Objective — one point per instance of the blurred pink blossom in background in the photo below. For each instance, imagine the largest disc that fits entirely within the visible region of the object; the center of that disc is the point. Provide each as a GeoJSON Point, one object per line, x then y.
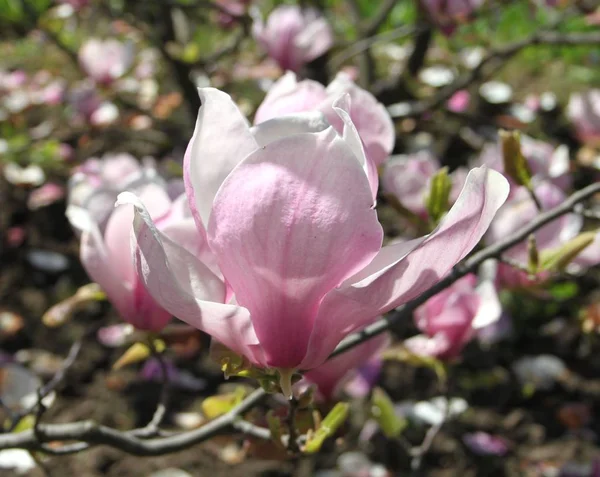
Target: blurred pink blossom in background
{"type": "Point", "coordinates": [105, 60]}
{"type": "Point", "coordinates": [105, 248]}
{"type": "Point", "coordinates": [450, 319]}
{"type": "Point", "coordinates": [584, 111]}
{"type": "Point", "coordinates": [293, 36]}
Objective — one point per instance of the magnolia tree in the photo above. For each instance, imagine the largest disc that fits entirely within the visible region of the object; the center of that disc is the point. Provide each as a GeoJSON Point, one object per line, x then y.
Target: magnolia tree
{"type": "Point", "coordinates": [215, 169]}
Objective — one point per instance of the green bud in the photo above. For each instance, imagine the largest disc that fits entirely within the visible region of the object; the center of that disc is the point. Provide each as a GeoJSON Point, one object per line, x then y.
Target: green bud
{"type": "Point", "coordinates": [533, 256]}
{"type": "Point", "coordinates": [557, 259]}
{"type": "Point", "coordinates": [329, 426]}
{"type": "Point", "coordinates": [515, 164]}
{"type": "Point", "coordinates": [382, 410]}
{"type": "Point", "coordinates": [437, 202]}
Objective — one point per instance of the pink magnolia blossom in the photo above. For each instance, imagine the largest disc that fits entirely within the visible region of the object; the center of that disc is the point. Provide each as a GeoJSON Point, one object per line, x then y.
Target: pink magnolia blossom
{"type": "Point", "coordinates": [105, 233]}
{"type": "Point", "coordinates": [408, 177]}
{"type": "Point", "coordinates": [584, 111]}
{"type": "Point", "coordinates": [450, 319]}
{"type": "Point", "coordinates": [355, 370]}
{"type": "Point", "coordinates": [293, 36]}
{"type": "Point", "coordinates": [374, 125]}
{"type": "Point", "coordinates": [105, 60]}
{"type": "Point", "coordinates": [447, 14]}
{"type": "Point", "coordinates": [287, 208]}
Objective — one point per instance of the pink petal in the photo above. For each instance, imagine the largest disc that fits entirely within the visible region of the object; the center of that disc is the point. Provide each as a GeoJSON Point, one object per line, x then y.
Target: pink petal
{"type": "Point", "coordinates": [369, 116]}
{"type": "Point", "coordinates": [186, 287]}
{"type": "Point", "coordinates": [342, 108]}
{"type": "Point", "coordinates": [289, 96]}
{"type": "Point", "coordinates": [221, 140]}
{"type": "Point", "coordinates": [286, 231]}
{"type": "Point", "coordinates": [278, 128]}
{"type": "Point", "coordinates": [95, 258]}
{"type": "Point", "coordinates": [402, 271]}
{"type": "Point", "coordinates": [314, 40]}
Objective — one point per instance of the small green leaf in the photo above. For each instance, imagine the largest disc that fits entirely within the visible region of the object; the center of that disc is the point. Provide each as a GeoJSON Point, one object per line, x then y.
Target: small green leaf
{"type": "Point", "coordinates": [62, 312]}
{"type": "Point", "coordinates": [437, 202]}
{"type": "Point", "coordinates": [24, 424]}
{"type": "Point", "coordinates": [332, 422]}
{"type": "Point", "coordinates": [533, 255]}
{"type": "Point", "coordinates": [138, 352]}
{"type": "Point", "coordinates": [556, 259]}
{"type": "Point", "coordinates": [382, 410]}
{"type": "Point", "coordinates": [215, 406]}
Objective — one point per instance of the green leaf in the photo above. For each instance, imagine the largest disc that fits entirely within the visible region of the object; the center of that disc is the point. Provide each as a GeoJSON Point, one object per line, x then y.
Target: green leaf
{"type": "Point", "coordinates": [62, 312]}
{"type": "Point", "coordinates": [382, 410]}
{"type": "Point", "coordinates": [437, 202]}
{"type": "Point", "coordinates": [215, 406]}
{"type": "Point", "coordinates": [332, 422]}
{"type": "Point", "coordinates": [138, 352]}
{"type": "Point", "coordinates": [557, 259]}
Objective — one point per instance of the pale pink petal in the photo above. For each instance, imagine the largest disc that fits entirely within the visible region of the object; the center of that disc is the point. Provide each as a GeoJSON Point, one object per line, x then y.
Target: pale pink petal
{"type": "Point", "coordinates": [186, 287]}
{"type": "Point", "coordinates": [221, 140]}
{"type": "Point", "coordinates": [95, 258]}
{"type": "Point", "coordinates": [118, 230]}
{"type": "Point", "coordinates": [314, 40]}
{"type": "Point", "coordinates": [369, 116]}
{"type": "Point", "coordinates": [289, 96]}
{"type": "Point", "coordinates": [394, 280]}
{"type": "Point", "coordinates": [462, 228]}
{"type": "Point", "coordinates": [278, 128]}
{"type": "Point", "coordinates": [286, 231]}
{"type": "Point", "coordinates": [342, 108]}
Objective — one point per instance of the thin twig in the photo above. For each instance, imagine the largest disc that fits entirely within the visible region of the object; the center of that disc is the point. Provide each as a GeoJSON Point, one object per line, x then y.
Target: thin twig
{"type": "Point", "coordinates": [499, 56]}
{"type": "Point", "coordinates": [49, 387]}
{"type": "Point", "coordinates": [291, 423]}
{"type": "Point", "coordinates": [152, 428]}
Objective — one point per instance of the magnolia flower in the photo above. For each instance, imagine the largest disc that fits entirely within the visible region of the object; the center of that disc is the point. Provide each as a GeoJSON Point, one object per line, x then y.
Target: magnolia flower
{"type": "Point", "coordinates": [446, 14]}
{"type": "Point", "coordinates": [356, 370]}
{"type": "Point", "coordinates": [450, 319]}
{"type": "Point", "coordinates": [105, 232]}
{"type": "Point", "coordinates": [105, 61]}
{"type": "Point", "coordinates": [584, 111]}
{"type": "Point", "coordinates": [293, 36]}
{"type": "Point", "coordinates": [287, 208]}
{"type": "Point", "coordinates": [372, 121]}
{"type": "Point", "coordinates": [408, 178]}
